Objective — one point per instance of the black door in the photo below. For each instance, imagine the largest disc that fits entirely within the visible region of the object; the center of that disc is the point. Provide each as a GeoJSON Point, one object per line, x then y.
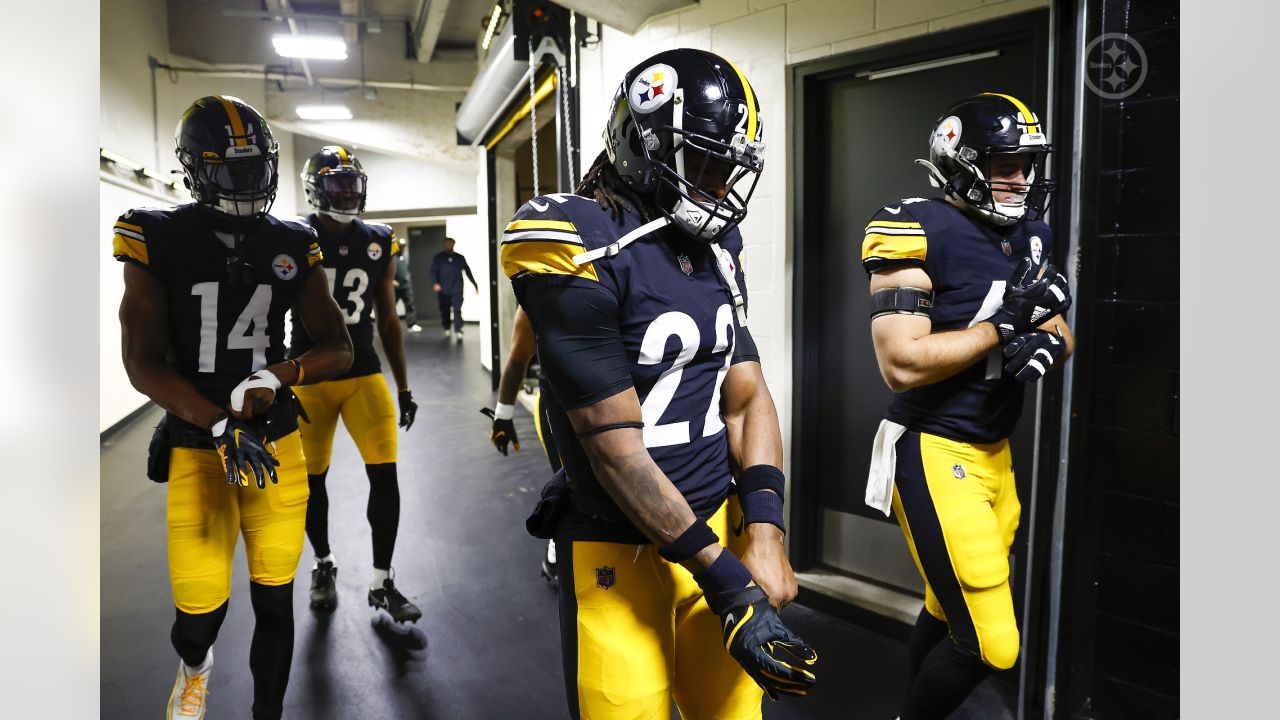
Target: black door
{"type": "Point", "coordinates": [424, 242]}
{"type": "Point", "coordinates": [864, 124]}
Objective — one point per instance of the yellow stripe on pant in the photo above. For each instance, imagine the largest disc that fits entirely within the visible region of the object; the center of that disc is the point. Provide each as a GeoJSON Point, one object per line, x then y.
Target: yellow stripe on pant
{"type": "Point", "coordinates": [205, 515]}
{"type": "Point", "coordinates": [366, 408]}
{"type": "Point", "coordinates": [637, 634]}
{"type": "Point", "coordinates": [958, 507]}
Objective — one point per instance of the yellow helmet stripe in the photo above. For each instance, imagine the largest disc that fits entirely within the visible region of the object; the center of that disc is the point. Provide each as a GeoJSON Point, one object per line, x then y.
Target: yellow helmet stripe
{"type": "Point", "coordinates": [342, 155]}
{"type": "Point", "coordinates": [751, 101]}
{"type": "Point", "coordinates": [237, 125]}
{"type": "Point", "coordinates": [1030, 117]}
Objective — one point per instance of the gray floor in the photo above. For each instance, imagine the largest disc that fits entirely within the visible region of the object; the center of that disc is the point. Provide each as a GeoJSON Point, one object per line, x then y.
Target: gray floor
{"type": "Point", "coordinates": [488, 644]}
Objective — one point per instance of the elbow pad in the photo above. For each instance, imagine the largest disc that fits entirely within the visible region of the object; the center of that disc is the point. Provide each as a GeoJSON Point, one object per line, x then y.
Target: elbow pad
{"type": "Point", "coordinates": [901, 300]}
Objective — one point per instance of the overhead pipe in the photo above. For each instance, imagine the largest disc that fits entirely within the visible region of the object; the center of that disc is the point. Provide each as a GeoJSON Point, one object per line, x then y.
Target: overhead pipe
{"type": "Point", "coordinates": [291, 77]}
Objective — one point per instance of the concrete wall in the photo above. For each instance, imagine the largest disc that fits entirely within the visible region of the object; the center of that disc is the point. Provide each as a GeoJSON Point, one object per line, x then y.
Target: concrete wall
{"type": "Point", "coordinates": [764, 38]}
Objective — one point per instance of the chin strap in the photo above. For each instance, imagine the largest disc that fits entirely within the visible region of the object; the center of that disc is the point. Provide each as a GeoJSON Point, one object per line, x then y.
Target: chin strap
{"type": "Point", "coordinates": [617, 245]}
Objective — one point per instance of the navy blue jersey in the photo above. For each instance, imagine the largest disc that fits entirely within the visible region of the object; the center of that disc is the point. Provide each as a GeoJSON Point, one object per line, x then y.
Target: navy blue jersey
{"type": "Point", "coordinates": [220, 331]}
{"type": "Point", "coordinates": [355, 262]}
{"type": "Point", "coordinates": [969, 263]}
{"type": "Point", "coordinates": [677, 330]}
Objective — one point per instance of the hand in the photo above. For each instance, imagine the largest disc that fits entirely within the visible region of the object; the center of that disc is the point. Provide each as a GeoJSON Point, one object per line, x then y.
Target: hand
{"type": "Point", "coordinates": [774, 656]}
{"type": "Point", "coordinates": [254, 395]}
{"type": "Point", "coordinates": [408, 409]}
{"type": "Point", "coordinates": [766, 558]}
{"type": "Point", "coordinates": [1032, 354]}
{"type": "Point", "coordinates": [1034, 294]}
{"type": "Point", "coordinates": [242, 452]}
{"type": "Point", "coordinates": [502, 433]}
{"type": "Point", "coordinates": [436, 287]}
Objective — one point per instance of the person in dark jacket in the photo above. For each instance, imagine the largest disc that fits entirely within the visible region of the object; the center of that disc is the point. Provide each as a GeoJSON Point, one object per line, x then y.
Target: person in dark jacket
{"type": "Point", "coordinates": [404, 293]}
{"type": "Point", "coordinates": [447, 268]}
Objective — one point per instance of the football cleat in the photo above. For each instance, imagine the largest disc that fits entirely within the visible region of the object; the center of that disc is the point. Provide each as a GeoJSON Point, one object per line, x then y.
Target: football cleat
{"type": "Point", "coordinates": [324, 586]}
{"type": "Point", "coordinates": [190, 694]}
{"type": "Point", "coordinates": [415, 328]}
{"type": "Point", "coordinates": [394, 602]}
{"type": "Point", "coordinates": [549, 569]}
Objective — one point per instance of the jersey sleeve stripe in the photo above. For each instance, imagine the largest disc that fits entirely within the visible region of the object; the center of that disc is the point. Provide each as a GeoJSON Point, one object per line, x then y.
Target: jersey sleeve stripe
{"type": "Point", "coordinates": [542, 236]}
{"type": "Point", "coordinates": [892, 224]}
{"type": "Point", "coordinates": [544, 257]}
{"type": "Point", "coordinates": [314, 254]}
{"type": "Point", "coordinates": [130, 233]}
{"type": "Point", "coordinates": [872, 230]}
{"type": "Point", "coordinates": [122, 225]}
{"type": "Point", "coordinates": [395, 246]}
{"type": "Point", "coordinates": [123, 246]}
{"type": "Point", "coordinates": [541, 225]}
{"type": "Point", "coordinates": [894, 247]}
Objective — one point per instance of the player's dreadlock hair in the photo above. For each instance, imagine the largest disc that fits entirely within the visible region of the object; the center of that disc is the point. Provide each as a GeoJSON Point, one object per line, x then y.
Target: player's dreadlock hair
{"type": "Point", "coordinates": [603, 183]}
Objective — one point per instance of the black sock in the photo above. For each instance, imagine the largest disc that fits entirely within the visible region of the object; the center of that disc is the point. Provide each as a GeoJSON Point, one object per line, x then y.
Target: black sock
{"type": "Point", "coordinates": [193, 635]}
{"type": "Point", "coordinates": [928, 632]}
{"type": "Point", "coordinates": [318, 514]}
{"type": "Point", "coordinates": [383, 512]}
{"type": "Point", "coordinates": [947, 676]}
{"type": "Point", "coordinates": [271, 653]}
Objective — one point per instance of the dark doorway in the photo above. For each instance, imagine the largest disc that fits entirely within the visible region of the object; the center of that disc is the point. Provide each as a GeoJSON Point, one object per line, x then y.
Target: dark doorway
{"type": "Point", "coordinates": [865, 118]}
{"type": "Point", "coordinates": [424, 242]}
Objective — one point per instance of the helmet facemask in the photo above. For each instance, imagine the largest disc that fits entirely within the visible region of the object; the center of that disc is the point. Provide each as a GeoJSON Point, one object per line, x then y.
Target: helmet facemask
{"type": "Point", "coordinates": [338, 193]}
{"type": "Point", "coordinates": [242, 188]}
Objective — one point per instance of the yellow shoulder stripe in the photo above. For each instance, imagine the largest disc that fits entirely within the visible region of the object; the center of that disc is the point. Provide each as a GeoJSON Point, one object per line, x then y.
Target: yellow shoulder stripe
{"type": "Point", "coordinates": [541, 225]}
{"type": "Point", "coordinates": [395, 246]}
{"type": "Point", "coordinates": [314, 255]}
{"type": "Point", "coordinates": [892, 224]}
{"type": "Point", "coordinates": [125, 246]}
{"type": "Point", "coordinates": [544, 258]}
{"type": "Point", "coordinates": [894, 247]}
{"type": "Point", "coordinates": [127, 226]}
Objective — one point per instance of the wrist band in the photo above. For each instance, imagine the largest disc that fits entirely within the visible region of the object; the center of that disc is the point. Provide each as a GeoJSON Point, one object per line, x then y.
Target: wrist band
{"type": "Point", "coordinates": [503, 411]}
{"type": "Point", "coordinates": [297, 366]}
{"type": "Point", "coordinates": [761, 477]}
{"type": "Point", "coordinates": [723, 580]}
{"type": "Point", "coordinates": [219, 425]}
{"type": "Point", "coordinates": [762, 506]}
{"type": "Point", "coordinates": [691, 542]}
{"type": "Point", "coordinates": [402, 390]}
{"type": "Point", "coordinates": [263, 378]}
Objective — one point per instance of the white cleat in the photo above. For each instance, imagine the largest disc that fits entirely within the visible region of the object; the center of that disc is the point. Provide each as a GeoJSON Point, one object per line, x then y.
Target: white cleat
{"type": "Point", "coordinates": [190, 695]}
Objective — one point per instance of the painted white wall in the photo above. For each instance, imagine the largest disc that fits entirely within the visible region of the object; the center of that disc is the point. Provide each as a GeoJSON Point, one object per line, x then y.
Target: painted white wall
{"type": "Point", "coordinates": [763, 38]}
{"type": "Point", "coordinates": [396, 182]}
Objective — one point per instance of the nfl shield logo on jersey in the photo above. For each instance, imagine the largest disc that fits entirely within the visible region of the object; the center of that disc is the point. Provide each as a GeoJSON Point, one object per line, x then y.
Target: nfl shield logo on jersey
{"type": "Point", "coordinates": [375, 251]}
{"type": "Point", "coordinates": [958, 471]}
{"type": "Point", "coordinates": [342, 250]}
{"type": "Point", "coordinates": [284, 267]}
{"type": "Point", "coordinates": [605, 577]}
{"type": "Point", "coordinates": [686, 265]}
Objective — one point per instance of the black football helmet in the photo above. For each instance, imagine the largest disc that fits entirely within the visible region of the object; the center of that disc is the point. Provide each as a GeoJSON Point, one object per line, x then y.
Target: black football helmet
{"type": "Point", "coordinates": [685, 130]}
{"type": "Point", "coordinates": [965, 138]}
{"type": "Point", "coordinates": [229, 158]}
{"type": "Point", "coordinates": [335, 183]}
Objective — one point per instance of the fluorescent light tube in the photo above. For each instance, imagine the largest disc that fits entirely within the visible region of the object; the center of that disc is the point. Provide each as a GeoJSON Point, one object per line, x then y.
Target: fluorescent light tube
{"type": "Point", "coordinates": [310, 47]}
{"type": "Point", "coordinates": [493, 24]}
{"type": "Point", "coordinates": [324, 112]}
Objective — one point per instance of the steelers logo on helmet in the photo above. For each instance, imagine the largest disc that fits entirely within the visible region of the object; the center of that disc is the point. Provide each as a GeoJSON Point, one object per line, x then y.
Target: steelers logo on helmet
{"type": "Point", "coordinates": [947, 135]}
{"type": "Point", "coordinates": [375, 251]}
{"type": "Point", "coordinates": [284, 267]}
{"type": "Point", "coordinates": [652, 88]}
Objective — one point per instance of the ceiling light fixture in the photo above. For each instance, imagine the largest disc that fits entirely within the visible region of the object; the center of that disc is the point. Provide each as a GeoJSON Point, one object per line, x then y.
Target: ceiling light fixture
{"type": "Point", "coordinates": [323, 112]}
{"type": "Point", "coordinates": [310, 47]}
{"type": "Point", "coordinates": [493, 25]}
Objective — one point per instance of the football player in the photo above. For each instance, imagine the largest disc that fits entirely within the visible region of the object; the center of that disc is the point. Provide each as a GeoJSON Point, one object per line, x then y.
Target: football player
{"type": "Point", "coordinates": [634, 289]}
{"type": "Point", "coordinates": [502, 433]}
{"type": "Point", "coordinates": [966, 306]}
{"type": "Point", "coordinates": [360, 263]}
{"type": "Point", "coordinates": [207, 286]}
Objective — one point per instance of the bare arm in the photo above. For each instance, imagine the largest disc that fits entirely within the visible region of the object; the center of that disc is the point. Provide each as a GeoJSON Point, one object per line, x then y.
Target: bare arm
{"type": "Point", "coordinates": [518, 359]}
{"type": "Point", "coordinates": [144, 339]}
{"type": "Point", "coordinates": [332, 354]}
{"type": "Point", "coordinates": [389, 330]}
{"type": "Point", "coordinates": [910, 354]}
{"type": "Point", "coordinates": [1059, 327]}
{"type": "Point", "coordinates": [626, 471]}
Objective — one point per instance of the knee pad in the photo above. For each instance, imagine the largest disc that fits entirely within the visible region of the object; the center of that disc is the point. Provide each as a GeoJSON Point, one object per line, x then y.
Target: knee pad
{"type": "Point", "coordinates": [978, 553]}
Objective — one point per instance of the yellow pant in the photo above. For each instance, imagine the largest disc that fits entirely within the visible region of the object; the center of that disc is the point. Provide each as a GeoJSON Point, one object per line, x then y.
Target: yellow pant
{"type": "Point", "coordinates": [636, 633]}
{"type": "Point", "coordinates": [367, 410]}
{"type": "Point", "coordinates": [958, 506]}
{"type": "Point", "coordinates": [206, 514]}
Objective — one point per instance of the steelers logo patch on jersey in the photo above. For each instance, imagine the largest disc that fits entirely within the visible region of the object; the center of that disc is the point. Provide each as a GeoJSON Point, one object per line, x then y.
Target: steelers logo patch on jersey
{"type": "Point", "coordinates": [375, 251]}
{"type": "Point", "coordinates": [284, 267]}
{"type": "Point", "coordinates": [947, 135]}
{"type": "Point", "coordinates": [652, 88]}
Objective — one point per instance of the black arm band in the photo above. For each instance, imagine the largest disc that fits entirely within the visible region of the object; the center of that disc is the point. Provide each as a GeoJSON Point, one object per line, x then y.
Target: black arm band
{"type": "Point", "coordinates": [690, 543]}
{"type": "Point", "coordinates": [912, 301]}
{"type": "Point", "coordinates": [760, 489]}
{"type": "Point", "coordinates": [761, 477]}
{"type": "Point", "coordinates": [611, 426]}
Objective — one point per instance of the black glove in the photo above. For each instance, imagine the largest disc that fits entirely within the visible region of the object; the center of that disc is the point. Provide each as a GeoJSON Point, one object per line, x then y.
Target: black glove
{"type": "Point", "coordinates": [241, 450]}
{"type": "Point", "coordinates": [502, 433]}
{"type": "Point", "coordinates": [776, 658]}
{"type": "Point", "coordinates": [1032, 354]}
{"type": "Point", "coordinates": [408, 409]}
{"type": "Point", "coordinates": [1034, 294]}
